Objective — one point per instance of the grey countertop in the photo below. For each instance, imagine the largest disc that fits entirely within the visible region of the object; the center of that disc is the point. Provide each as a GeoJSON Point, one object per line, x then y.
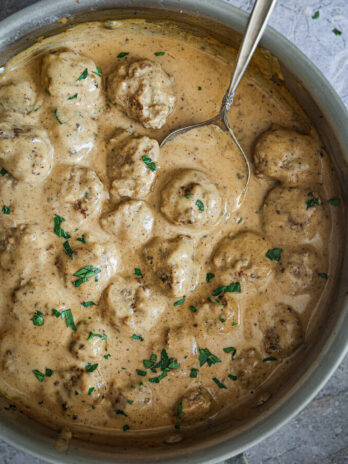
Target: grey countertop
{"type": "Point", "coordinates": [319, 434]}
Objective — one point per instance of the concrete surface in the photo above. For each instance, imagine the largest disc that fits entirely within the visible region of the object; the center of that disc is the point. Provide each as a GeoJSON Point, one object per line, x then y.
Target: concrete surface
{"type": "Point", "coordinates": [318, 435]}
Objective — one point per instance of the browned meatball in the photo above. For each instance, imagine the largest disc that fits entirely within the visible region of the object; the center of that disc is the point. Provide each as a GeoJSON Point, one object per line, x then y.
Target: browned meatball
{"type": "Point", "coordinates": [288, 156]}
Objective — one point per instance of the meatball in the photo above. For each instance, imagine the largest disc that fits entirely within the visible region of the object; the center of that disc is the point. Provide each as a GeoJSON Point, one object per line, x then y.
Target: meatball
{"type": "Point", "coordinates": [17, 97]}
{"type": "Point", "coordinates": [172, 262]}
{"type": "Point", "coordinates": [132, 165]}
{"type": "Point", "coordinates": [130, 304]}
{"type": "Point", "coordinates": [72, 80]}
{"type": "Point", "coordinates": [190, 198]}
{"type": "Point", "coordinates": [88, 342]}
{"type": "Point", "coordinates": [293, 215]}
{"type": "Point", "coordinates": [76, 138]}
{"type": "Point", "coordinates": [242, 258]}
{"type": "Point", "coordinates": [25, 152]}
{"type": "Point", "coordinates": [298, 272]}
{"type": "Point", "coordinates": [144, 91]}
{"type": "Point", "coordinates": [75, 193]}
{"type": "Point", "coordinates": [195, 405]}
{"type": "Point", "coordinates": [282, 330]}
{"type": "Point", "coordinates": [131, 221]}
{"type": "Point", "coordinates": [90, 269]}
{"type": "Point", "coordinates": [288, 156]}
{"type": "Point", "coordinates": [218, 315]}
{"type": "Point", "coordinates": [249, 368]}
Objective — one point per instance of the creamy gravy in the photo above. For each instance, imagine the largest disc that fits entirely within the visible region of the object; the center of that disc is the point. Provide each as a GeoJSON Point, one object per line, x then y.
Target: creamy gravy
{"type": "Point", "coordinates": [163, 296]}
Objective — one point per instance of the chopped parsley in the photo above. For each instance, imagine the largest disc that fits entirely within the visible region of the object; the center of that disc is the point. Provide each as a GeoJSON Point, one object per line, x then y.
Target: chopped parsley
{"type": "Point", "coordinates": [138, 272]}
{"type": "Point", "coordinates": [336, 31]}
{"type": "Point", "coordinates": [98, 71]}
{"type": "Point", "coordinates": [209, 277]}
{"type": "Point", "coordinates": [316, 15]}
{"type": "Point", "coordinates": [73, 97]}
{"type": "Point", "coordinates": [125, 428]}
{"type": "Point", "coordinates": [68, 249]}
{"type": "Point", "coordinates": [194, 373]}
{"type": "Point", "coordinates": [3, 172]}
{"type": "Point", "coordinates": [149, 163]}
{"type": "Point", "coordinates": [234, 287]}
{"type": "Point", "coordinates": [180, 302]}
{"type": "Point", "coordinates": [84, 274]}
{"type": "Point", "coordinates": [334, 201]}
{"type": "Point", "coordinates": [107, 356]}
{"type": "Point", "coordinates": [122, 54]}
{"type": "Point", "coordinates": [90, 390]}
{"type": "Point", "coordinates": [39, 375]}
{"type": "Point", "coordinates": [83, 75]}
{"type": "Point", "coordinates": [177, 426]}
{"type": "Point", "coordinates": [81, 239]}
{"type": "Point", "coordinates": [57, 221]}
{"type": "Point", "coordinates": [323, 275]}
{"type": "Point", "coordinates": [130, 401]}
{"type": "Point", "coordinates": [200, 205]}
{"type": "Point", "coordinates": [274, 254]}
{"type": "Point", "coordinates": [137, 337]}
{"type": "Point", "coordinates": [231, 349]}
{"type": "Point", "coordinates": [165, 365]}
{"type": "Point", "coordinates": [121, 412]}
{"type": "Point", "coordinates": [92, 335]}
{"type": "Point", "coordinates": [205, 356]}
{"type": "Point", "coordinates": [56, 312]}
{"type": "Point", "coordinates": [232, 377]}
{"type": "Point", "coordinates": [187, 195]}
{"type": "Point", "coordinates": [91, 367]}
{"type": "Point", "coordinates": [193, 309]}
{"type": "Point", "coordinates": [239, 220]}
{"type": "Point", "coordinates": [48, 372]}
{"type": "Point", "coordinates": [234, 323]}
{"type": "Point", "coordinates": [218, 383]}
{"type": "Point", "coordinates": [6, 209]}
{"type": "Point", "coordinates": [179, 411]}
{"type": "Point", "coordinates": [221, 319]}
{"type": "Point", "coordinates": [159, 53]}
{"type": "Point", "coordinates": [215, 301]}
{"type": "Point", "coordinates": [140, 372]}
{"type": "Point", "coordinates": [199, 87]}
{"type": "Point", "coordinates": [69, 319]}
{"type": "Point", "coordinates": [38, 319]}
{"type": "Point", "coordinates": [312, 201]}
{"type": "Point", "coordinates": [88, 303]}
{"type": "Point", "coordinates": [36, 109]}
{"type": "Point", "coordinates": [57, 117]}
{"type": "Point", "coordinates": [271, 358]}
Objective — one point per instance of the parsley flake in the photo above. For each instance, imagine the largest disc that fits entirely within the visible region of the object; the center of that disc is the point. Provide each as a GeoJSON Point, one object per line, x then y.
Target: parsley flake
{"type": "Point", "coordinates": [121, 412]}
{"type": "Point", "coordinates": [205, 356]}
{"type": "Point", "coordinates": [271, 358]}
{"type": "Point", "coordinates": [336, 31]}
{"type": "Point", "coordinates": [194, 373]}
{"type": "Point", "coordinates": [83, 75]}
{"type": "Point", "coordinates": [180, 302]}
{"type": "Point", "coordinates": [125, 428]}
{"type": "Point", "coordinates": [334, 201]}
{"type": "Point", "coordinates": [140, 372]}
{"type": "Point", "coordinates": [6, 209]}
{"type": "Point", "coordinates": [215, 301]}
{"type": "Point", "coordinates": [312, 201]}
{"type": "Point", "coordinates": [130, 401]}
{"type": "Point", "coordinates": [231, 349]}
{"type": "Point", "coordinates": [91, 367]}
{"type": "Point", "coordinates": [179, 411]}
{"type": "Point", "coordinates": [39, 375]}
{"type": "Point", "coordinates": [232, 377]}
{"type": "Point", "coordinates": [122, 54]}
{"type": "Point", "coordinates": [92, 335]}
{"type": "Point", "coordinates": [316, 15]}
{"type": "Point", "coordinates": [55, 312]}
{"type": "Point", "coordinates": [73, 97]}
{"type": "Point", "coordinates": [57, 220]}
{"type": "Point", "coordinates": [68, 249]}
{"type": "Point", "coordinates": [57, 117]}
{"type": "Point", "coordinates": [88, 303]}
{"type": "Point", "coordinates": [193, 309]}
{"type": "Point", "coordinates": [137, 337]}
{"type": "Point", "coordinates": [199, 87]}
{"type": "Point", "coordinates": [274, 254]}
{"type": "Point", "coordinates": [3, 172]}
{"type": "Point", "coordinates": [200, 205]}
{"type": "Point", "coordinates": [138, 272]}
{"type": "Point", "coordinates": [209, 277]}
{"type": "Point", "coordinates": [69, 319]}
{"type": "Point", "coordinates": [323, 275]}
{"type": "Point", "coordinates": [234, 287]}
{"type": "Point", "coordinates": [48, 372]}
{"type": "Point", "coordinates": [90, 390]}
{"type": "Point", "coordinates": [98, 71]}
{"type": "Point", "coordinates": [149, 163]}
{"type": "Point", "coordinates": [81, 239]}
{"type": "Point", "coordinates": [159, 53]}
{"type": "Point", "coordinates": [38, 319]}
{"type": "Point", "coordinates": [84, 274]}
{"type": "Point", "coordinates": [218, 383]}
{"type": "Point", "coordinates": [107, 356]}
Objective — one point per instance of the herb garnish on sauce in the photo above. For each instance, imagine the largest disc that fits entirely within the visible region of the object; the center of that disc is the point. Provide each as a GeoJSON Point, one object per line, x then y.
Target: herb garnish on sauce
{"type": "Point", "coordinates": [209, 277]}
{"type": "Point", "coordinates": [159, 53]}
{"type": "Point", "coordinates": [84, 274]}
{"type": "Point", "coordinates": [57, 117]}
{"type": "Point", "coordinates": [312, 201]}
{"type": "Point", "coordinates": [218, 383]}
{"type": "Point", "coordinates": [137, 337]}
{"type": "Point", "coordinates": [205, 356]}
{"type": "Point", "coordinates": [88, 303]}
{"type": "Point", "coordinates": [91, 367]}
{"type": "Point", "coordinates": [234, 287]}
{"type": "Point", "coordinates": [274, 254]}
{"type": "Point", "coordinates": [6, 209]}
{"type": "Point", "coordinates": [200, 205]}
{"type": "Point", "coordinates": [38, 318]}
{"type": "Point", "coordinates": [149, 163]}
{"type": "Point", "coordinates": [57, 220]}
{"type": "Point", "coordinates": [68, 249]}
{"type": "Point", "coordinates": [69, 319]}
{"type": "Point", "coordinates": [181, 301]}
{"type": "Point", "coordinates": [122, 54]}
{"type": "Point", "coordinates": [138, 272]}
{"type": "Point", "coordinates": [83, 75]}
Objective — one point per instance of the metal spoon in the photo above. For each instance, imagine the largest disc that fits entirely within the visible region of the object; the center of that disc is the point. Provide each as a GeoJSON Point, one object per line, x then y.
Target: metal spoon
{"type": "Point", "coordinates": [256, 25]}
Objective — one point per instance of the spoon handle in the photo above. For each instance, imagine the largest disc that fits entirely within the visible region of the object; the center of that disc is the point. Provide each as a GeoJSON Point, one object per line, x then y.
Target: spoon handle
{"type": "Point", "coordinates": [257, 23]}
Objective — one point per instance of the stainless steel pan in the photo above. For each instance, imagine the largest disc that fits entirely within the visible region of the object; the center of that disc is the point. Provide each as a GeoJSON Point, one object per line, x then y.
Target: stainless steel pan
{"type": "Point", "coordinates": [327, 112]}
